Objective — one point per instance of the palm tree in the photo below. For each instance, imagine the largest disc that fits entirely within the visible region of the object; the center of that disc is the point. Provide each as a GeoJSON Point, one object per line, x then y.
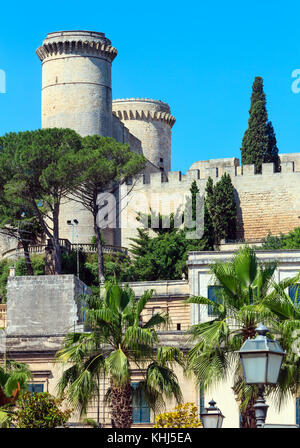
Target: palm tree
{"type": "Point", "coordinates": [13, 382]}
{"type": "Point", "coordinates": [117, 342]}
{"type": "Point", "coordinates": [244, 289]}
{"type": "Point", "coordinates": [286, 326]}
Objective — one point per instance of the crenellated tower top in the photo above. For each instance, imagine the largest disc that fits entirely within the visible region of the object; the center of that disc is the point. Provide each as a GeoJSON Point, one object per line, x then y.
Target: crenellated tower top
{"type": "Point", "coordinates": [143, 109]}
{"type": "Point", "coordinates": [89, 43]}
{"type": "Point", "coordinates": [151, 122]}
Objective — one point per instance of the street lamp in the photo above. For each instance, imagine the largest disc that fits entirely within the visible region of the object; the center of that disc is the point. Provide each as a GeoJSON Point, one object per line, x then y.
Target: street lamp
{"type": "Point", "coordinates": [212, 417]}
{"type": "Point", "coordinates": [73, 224]}
{"type": "Point", "coordinates": [261, 360]}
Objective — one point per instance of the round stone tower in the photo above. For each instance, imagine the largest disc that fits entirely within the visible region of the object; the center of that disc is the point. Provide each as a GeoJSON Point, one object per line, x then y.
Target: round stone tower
{"type": "Point", "coordinates": [76, 94]}
{"type": "Point", "coordinates": [76, 86]}
{"type": "Point", "coordinates": [151, 122]}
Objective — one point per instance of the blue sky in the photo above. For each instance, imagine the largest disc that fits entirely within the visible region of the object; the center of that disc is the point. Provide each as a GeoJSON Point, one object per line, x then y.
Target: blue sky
{"type": "Point", "coordinates": [200, 57]}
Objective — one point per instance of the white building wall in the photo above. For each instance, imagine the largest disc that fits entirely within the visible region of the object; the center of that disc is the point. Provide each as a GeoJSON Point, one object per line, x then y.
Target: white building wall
{"type": "Point", "coordinates": [200, 278]}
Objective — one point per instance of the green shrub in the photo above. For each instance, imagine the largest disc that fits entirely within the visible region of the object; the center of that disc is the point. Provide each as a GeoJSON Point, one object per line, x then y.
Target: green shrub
{"type": "Point", "coordinates": [38, 265]}
{"type": "Point", "coordinates": [40, 410]}
{"type": "Point", "coordinates": [288, 241]}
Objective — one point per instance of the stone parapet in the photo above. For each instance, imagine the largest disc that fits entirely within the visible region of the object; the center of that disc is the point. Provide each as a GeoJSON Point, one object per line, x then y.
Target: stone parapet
{"type": "Point", "coordinates": [143, 109]}
{"type": "Point", "coordinates": [150, 121]}
{"type": "Point", "coordinates": [83, 43]}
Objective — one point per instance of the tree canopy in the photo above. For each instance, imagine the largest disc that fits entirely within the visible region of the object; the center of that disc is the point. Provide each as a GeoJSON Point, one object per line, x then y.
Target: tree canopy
{"type": "Point", "coordinates": [259, 142]}
{"type": "Point", "coordinates": [42, 168]}
{"type": "Point", "coordinates": [105, 164]}
{"type": "Point", "coordinates": [220, 214]}
{"type": "Point", "coordinates": [119, 338]}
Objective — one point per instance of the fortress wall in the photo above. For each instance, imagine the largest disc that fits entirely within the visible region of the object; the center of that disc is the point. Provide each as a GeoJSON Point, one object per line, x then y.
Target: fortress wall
{"type": "Point", "coordinates": [266, 202]}
{"type": "Point", "coordinates": [6, 243]}
{"type": "Point", "coordinates": [122, 135]}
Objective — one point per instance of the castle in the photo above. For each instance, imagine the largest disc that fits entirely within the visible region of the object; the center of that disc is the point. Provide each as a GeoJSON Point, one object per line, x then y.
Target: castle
{"type": "Point", "coordinates": [77, 94]}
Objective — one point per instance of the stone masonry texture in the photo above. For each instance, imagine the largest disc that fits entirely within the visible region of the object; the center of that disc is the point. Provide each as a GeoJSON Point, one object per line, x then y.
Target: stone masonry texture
{"type": "Point", "coordinates": [44, 305]}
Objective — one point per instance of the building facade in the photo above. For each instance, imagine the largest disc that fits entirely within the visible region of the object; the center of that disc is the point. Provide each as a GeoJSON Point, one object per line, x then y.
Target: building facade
{"type": "Point", "coordinates": [41, 310]}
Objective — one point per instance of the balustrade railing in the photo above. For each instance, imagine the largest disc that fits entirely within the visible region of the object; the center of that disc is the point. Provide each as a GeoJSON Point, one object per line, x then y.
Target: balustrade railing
{"type": "Point", "coordinates": [65, 245]}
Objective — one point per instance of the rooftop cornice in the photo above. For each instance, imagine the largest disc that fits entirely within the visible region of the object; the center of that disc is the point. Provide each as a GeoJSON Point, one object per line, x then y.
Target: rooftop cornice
{"type": "Point", "coordinates": [141, 100]}
{"type": "Point", "coordinates": [84, 48]}
{"type": "Point", "coordinates": [146, 115]}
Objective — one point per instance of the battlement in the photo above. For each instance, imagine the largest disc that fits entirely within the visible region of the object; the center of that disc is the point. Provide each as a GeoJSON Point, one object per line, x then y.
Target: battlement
{"type": "Point", "coordinates": [160, 103]}
{"type": "Point", "coordinates": [142, 109]}
{"type": "Point", "coordinates": [83, 43]}
{"type": "Point", "coordinates": [236, 172]}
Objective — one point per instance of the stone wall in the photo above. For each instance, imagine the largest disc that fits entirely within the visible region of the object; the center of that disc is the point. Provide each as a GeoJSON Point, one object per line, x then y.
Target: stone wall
{"type": "Point", "coordinates": [266, 202]}
{"type": "Point", "coordinates": [169, 296]}
{"type": "Point", "coordinates": [44, 305]}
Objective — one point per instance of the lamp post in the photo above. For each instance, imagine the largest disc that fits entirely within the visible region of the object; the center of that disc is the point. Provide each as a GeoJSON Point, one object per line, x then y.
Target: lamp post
{"type": "Point", "coordinates": [73, 224]}
{"type": "Point", "coordinates": [212, 417]}
{"type": "Point", "coordinates": [261, 360]}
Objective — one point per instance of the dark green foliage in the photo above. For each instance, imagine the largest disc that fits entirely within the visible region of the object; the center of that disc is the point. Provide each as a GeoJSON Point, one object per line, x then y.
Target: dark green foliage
{"type": "Point", "coordinates": [289, 241]}
{"type": "Point", "coordinates": [40, 410]}
{"type": "Point", "coordinates": [115, 266]}
{"type": "Point", "coordinates": [209, 213]}
{"type": "Point", "coordinates": [162, 257]}
{"type": "Point", "coordinates": [120, 337]}
{"type": "Point", "coordinates": [38, 265]}
{"type": "Point", "coordinates": [259, 142]}
{"type": "Point", "coordinates": [220, 211]}
{"type": "Point", "coordinates": [194, 192]}
{"type": "Point", "coordinates": [4, 273]}
{"type": "Point", "coordinates": [42, 168]}
{"type": "Point", "coordinates": [105, 163]}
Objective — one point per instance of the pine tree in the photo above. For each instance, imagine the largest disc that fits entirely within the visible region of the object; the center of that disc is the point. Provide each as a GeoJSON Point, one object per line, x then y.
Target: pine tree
{"type": "Point", "coordinates": [259, 142]}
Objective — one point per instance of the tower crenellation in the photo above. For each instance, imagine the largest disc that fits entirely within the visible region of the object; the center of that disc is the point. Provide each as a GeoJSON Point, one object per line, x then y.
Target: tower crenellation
{"type": "Point", "coordinates": [151, 122]}
{"type": "Point", "coordinates": [76, 86]}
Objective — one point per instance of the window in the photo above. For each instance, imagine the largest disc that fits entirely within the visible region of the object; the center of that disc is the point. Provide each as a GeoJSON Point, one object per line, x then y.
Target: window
{"type": "Point", "coordinates": [298, 411]}
{"type": "Point", "coordinates": [201, 402]}
{"type": "Point", "coordinates": [35, 388]}
{"type": "Point", "coordinates": [141, 410]}
{"type": "Point", "coordinates": [215, 296]}
{"type": "Point", "coordinates": [294, 293]}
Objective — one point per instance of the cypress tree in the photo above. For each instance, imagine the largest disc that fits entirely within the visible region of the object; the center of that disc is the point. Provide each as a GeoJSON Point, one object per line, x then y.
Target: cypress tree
{"type": "Point", "coordinates": [220, 211]}
{"type": "Point", "coordinates": [225, 211]}
{"type": "Point", "coordinates": [209, 207]}
{"type": "Point", "coordinates": [259, 142]}
{"type": "Point", "coordinates": [194, 191]}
